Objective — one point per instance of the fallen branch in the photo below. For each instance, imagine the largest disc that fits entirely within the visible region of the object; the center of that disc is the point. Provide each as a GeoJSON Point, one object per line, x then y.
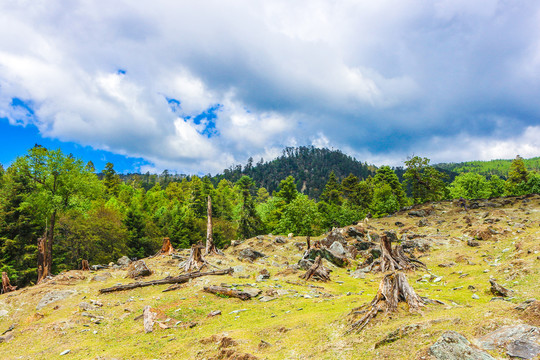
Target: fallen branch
{"type": "Point", "coordinates": [168, 280]}
{"type": "Point", "coordinates": [317, 271]}
{"type": "Point", "coordinates": [220, 290]}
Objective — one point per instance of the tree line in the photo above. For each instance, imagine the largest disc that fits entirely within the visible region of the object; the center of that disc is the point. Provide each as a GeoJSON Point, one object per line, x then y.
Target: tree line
{"type": "Point", "coordinates": [56, 211]}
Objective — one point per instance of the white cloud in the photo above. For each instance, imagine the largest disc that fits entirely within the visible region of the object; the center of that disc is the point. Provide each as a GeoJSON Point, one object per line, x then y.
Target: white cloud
{"type": "Point", "coordinates": [351, 74]}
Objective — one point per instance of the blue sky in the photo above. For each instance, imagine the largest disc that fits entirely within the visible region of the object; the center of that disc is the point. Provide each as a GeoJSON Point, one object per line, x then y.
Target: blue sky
{"type": "Point", "coordinates": [196, 87]}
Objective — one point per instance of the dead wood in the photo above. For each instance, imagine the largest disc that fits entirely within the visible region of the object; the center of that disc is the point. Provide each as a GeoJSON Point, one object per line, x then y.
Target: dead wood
{"type": "Point", "coordinates": [195, 261]}
{"type": "Point", "coordinates": [148, 318]}
{"type": "Point", "coordinates": [210, 244]}
{"type": "Point", "coordinates": [317, 271]}
{"type": "Point", "coordinates": [6, 285]}
{"type": "Point", "coordinates": [168, 280]}
{"type": "Point", "coordinates": [499, 290]}
{"type": "Point", "coordinates": [395, 259]}
{"type": "Point", "coordinates": [166, 248]}
{"type": "Point", "coordinates": [85, 266]}
{"type": "Point", "coordinates": [325, 253]}
{"type": "Point", "coordinates": [394, 288]}
{"type": "Point", "coordinates": [219, 290]}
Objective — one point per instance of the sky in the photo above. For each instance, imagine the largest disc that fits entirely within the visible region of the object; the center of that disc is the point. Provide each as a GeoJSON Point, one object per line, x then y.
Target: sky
{"type": "Point", "coordinates": [197, 86]}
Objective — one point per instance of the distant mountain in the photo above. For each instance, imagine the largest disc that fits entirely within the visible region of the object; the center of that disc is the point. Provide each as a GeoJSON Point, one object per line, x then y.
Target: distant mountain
{"type": "Point", "coordinates": [488, 168]}
{"type": "Point", "coordinates": [309, 166]}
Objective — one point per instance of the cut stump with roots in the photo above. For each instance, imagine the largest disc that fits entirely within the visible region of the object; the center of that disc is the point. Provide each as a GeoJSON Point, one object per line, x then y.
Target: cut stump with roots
{"type": "Point", "coordinates": [393, 289]}
{"type": "Point", "coordinates": [317, 271]}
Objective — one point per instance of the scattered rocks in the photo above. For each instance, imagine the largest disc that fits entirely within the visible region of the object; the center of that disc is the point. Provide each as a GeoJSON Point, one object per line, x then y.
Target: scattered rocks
{"type": "Point", "coordinates": [454, 346]}
{"type": "Point", "coordinates": [102, 277]}
{"type": "Point", "coordinates": [138, 269]}
{"type": "Point", "coordinates": [54, 296]}
{"type": "Point", "coordinates": [473, 243]}
{"type": "Point", "coordinates": [123, 261]}
{"type": "Point", "coordinates": [250, 255]}
{"type": "Point", "coordinates": [418, 213]}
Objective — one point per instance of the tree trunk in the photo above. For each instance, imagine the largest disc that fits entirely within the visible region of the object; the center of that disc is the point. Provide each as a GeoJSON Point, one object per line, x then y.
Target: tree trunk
{"type": "Point", "coordinates": [50, 240]}
{"type": "Point", "coordinates": [6, 285]}
{"type": "Point", "coordinates": [85, 265]}
{"type": "Point", "coordinates": [210, 245]}
{"type": "Point", "coordinates": [196, 261]}
{"type": "Point", "coordinates": [45, 249]}
{"type": "Point", "coordinates": [168, 280]}
{"type": "Point", "coordinates": [308, 242]}
{"type": "Point", "coordinates": [41, 257]}
{"type": "Point", "coordinates": [166, 248]}
{"type": "Point", "coordinates": [394, 288]}
{"type": "Point", "coordinates": [395, 259]}
{"type": "Point", "coordinates": [317, 271]}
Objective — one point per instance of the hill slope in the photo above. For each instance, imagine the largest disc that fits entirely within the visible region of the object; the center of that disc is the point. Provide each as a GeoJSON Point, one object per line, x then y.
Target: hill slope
{"type": "Point", "coordinates": [309, 166]}
{"type": "Point", "coordinates": [292, 318]}
{"type": "Point", "coordinates": [488, 168]}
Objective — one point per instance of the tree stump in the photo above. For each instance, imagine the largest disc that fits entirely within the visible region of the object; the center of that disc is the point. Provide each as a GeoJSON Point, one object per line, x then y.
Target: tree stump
{"type": "Point", "coordinates": [148, 317]}
{"type": "Point", "coordinates": [85, 266]}
{"type": "Point", "coordinates": [195, 261]}
{"type": "Point", "coordinates": [166, 248]}
{"type": "Point", "coordinates": [395, 259]}
{"type": "Point", "coordinates": [317, 271]}
{"type": "Point", "coordinates": [6, 285]}
{"type": "Point", "coordinates": [394, 288]}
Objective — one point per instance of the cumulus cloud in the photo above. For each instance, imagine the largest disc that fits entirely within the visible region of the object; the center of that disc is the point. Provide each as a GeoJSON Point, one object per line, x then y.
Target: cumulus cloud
{"type": "Point", "coordinates": [196, 87]}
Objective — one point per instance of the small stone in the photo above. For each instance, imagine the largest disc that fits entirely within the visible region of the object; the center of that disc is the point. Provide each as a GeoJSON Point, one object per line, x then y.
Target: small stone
{"type": "Point", "coordinates": [214, 313]}
{"type": "Point", "coordinates": [3, 313]}
{"type": "Point", "coordinates": [475, 296]}
{"type": "Point", "coordinates": [65, 352]}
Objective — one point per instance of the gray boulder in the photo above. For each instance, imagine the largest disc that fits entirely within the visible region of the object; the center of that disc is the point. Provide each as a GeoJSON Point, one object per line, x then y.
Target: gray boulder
{"type": "Point", "coordinates": [123, 261]}
{"type": "Point", "coordinates": [250, 254]}
{"type": "Point", "coordinates": [337, 249]}
{"type": "Point", "coordinates": [102, 277]}
{"type": "Point", "coordinates": [138, 269]}
{"type": "Point", "coordinates": [519, 340]}
{"type": "Point", "coordinates": [454, 346]}
{"type": "Point", "coordinates": [54, 296]}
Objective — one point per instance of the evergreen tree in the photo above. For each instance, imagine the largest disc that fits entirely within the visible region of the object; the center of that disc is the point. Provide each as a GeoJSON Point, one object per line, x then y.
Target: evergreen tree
{"type": "Point", "coordinates": [249, 221]}
{"type": "Point", "coordinates": [111, 180]}
{"type": "Point", "coordinates": [426, 183]}
{"type": "Point", "coordinates": [332, 191]}
{"type": "Point", "coordinates": [385, 175]}
{"type": "Point", "coordinates": [287, 190]}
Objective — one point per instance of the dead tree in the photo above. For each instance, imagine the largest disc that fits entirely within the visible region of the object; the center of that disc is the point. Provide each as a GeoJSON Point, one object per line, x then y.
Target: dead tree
{"type": "Point", "coordinates": [168, 280]}
{"type": "Point", "coordinates": [210, 244]}
{"type": "Point", "coordinates": [394, 288]}
{"type": "Point", "coordinates": [395, 259]}
{"type": "Point", "coordinates": [6, 285]}
{"type": "Point", "coordinates": [317, 271]}
{"type": "Point", "coordinates": [166, 248]}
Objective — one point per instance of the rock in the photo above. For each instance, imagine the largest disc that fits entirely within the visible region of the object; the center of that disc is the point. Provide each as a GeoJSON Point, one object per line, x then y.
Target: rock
{"type": "Point", "coordinates": [418, 213]}
{"type": "Point", "coordinates": [238, 269]}
{"type": "Point", "coordinates": [98, 267]}
{"type": "Point", "coordinates": [499, 290]}
{"type": "Point", "coordinates": [262, 278]}
{"type": "Point", "coordinates": [6, 338]}
{"type": "Point", "coordinates": [473, 243]}
{"type": "Point", "coordinates": [235, 243]}
{"type": "Point", "coordinates": [253, 292]}
{"type": "Point", "coordinates": [337, 249]}
{"type": "Point", "coordinates": [280, 240]}
{"type": "Point", "coordinates": [475, 297]}
{"type": "Point", "coordinates": [138, 269]}
{"type": "Point", "coordinates": [333, 236]}
{"type": "Point", "coordinates": [419, 244]}
{"type": "Point", "coordinates": [123, 261]}
{"type": "Point", "coordinates": [102, 277]}
{"type": "Point", "coordinates": [359, 274]}
{"type": "Point", "coordinates": [391, 235]}
{"type": "Point", "coordinates": [449, 264]}
{"type": "Point", "coordinates": [267, 298]}
{"type": "Point", "coordinates": [148, 319]}
{"type": "Point", "coordinates": [84, 306]}
{"type": "Point", "coordinates": [522, 349]}
{"type": "Point", "coordinates": [65, 352]}
{"type": "Point", "coordinates": [454, 346]}
{"type": "Point", "coordinates": [422, 223]}
{"type": "Point", "coordinates": [354, 232]}
{"type": "Point", "coordinates": [54, 296]}
{"type": "Point", "coordinates": [399, 333]}
{"type": "Point", "coordinates": [290, 236]}
{"type": "Point", "coordinates": [214, 313]}
{"type": "Point", "coordinates": [363, 245]}
{"type": "Point", "coordinates": [250, 254]}
{"type": "Point", "coordinates": [3, 313]}
{"type": "Point", "coordinates": [507, 335]}
{"type": "Point", "coordinates": [399, 224]}
{"type": "Point", "coordinates": [263, 345]}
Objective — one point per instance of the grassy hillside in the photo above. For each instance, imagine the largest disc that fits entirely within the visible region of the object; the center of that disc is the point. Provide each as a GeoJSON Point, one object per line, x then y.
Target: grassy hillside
{"type": "Point", "coordinates": [305, 320]}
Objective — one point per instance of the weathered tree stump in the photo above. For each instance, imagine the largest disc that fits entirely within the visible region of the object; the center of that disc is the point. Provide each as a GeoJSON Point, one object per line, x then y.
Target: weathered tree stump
{"type": "Point", "coordinates": [394, 288]}
{"type": "Point", "coordinates": [148, 318]}
{"type": "Point", "coordinates": [395, 259]}
{"type": "Point", "coordinates": [166, 248]}
{"type": "Point", "coordinates": [6, 285]}
{"type": "Point", "coordinates": [85, 266]}
{"type": "Point", "coordinates": [317, 271]}
{"type": "Point", "coordinates": [195, 261]}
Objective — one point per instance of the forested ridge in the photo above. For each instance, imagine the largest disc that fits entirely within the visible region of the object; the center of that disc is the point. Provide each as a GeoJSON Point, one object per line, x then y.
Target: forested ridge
{"type": "Point", "coordinates": [56, 211]}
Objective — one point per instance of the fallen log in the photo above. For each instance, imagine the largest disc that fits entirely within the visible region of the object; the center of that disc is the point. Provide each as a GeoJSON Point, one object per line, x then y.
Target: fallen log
{"type": "Point", "coordinates": [220, 290]}
{"type": "Point", "coordinates": [168, 280]}
{"type": "Point", "coordinates": [317, 271]}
